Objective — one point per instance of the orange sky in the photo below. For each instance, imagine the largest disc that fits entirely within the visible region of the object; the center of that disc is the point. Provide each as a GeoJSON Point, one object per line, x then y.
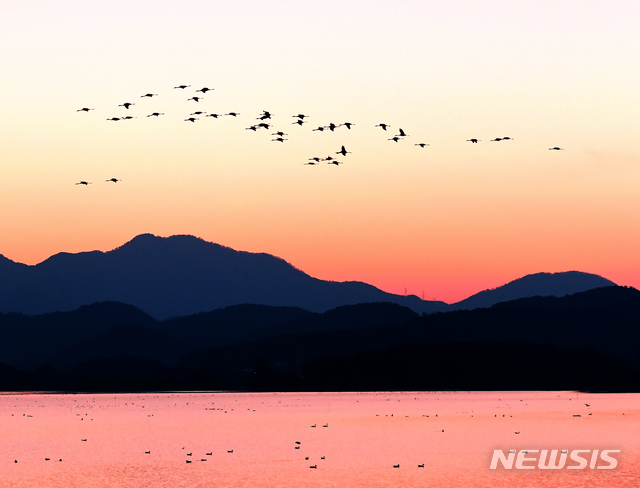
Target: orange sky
{"type": "Point", "coordinates": [447, 220]}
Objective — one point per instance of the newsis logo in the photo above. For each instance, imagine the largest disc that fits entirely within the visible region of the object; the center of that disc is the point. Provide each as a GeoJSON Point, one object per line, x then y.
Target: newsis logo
{"type": "Point", "coordinates": [545, 459]}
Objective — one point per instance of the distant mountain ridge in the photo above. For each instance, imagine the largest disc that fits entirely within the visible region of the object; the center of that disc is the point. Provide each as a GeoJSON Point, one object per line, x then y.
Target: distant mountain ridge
{"type": "Point", "coordinates": [184, 275]}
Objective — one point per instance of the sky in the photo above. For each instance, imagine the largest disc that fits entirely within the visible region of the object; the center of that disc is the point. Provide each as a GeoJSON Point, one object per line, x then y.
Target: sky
{"type": "Point", "coordinates": [444, 221]}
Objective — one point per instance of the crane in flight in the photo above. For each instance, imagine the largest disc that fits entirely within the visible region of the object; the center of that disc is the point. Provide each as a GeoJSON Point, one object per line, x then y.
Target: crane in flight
{"type": "Point", "coordinates": [233, 114]}
{"type": "Point", "coordinates": [191, 119]}
{"type": "Point", "coordinates": [83, 183]}
{"type": "Point", "coordinates": [475, 141]}
{"type": "Point", "coordinates": [149, 95]}
{"type": "Point", "coordinates": [182, 87]}
{"type": "Point", "coordinates": [84, 109]}
{"type": "Point", "coordinates": [279, 134]}
{"type": "Point", "coordinates": [343, 151]}
{"type": "Point", "coordinates": [126, 105]}
{"type": "Point", "coordinates": [347, 125]}
{"type": "Point", "coordinates": [279, 139]}
{"type": "Point", "coordinates": [198, 113]}
{"type": "Point", "coordinates": [321, 129]}
{"type": "Point", "coordinates": [421, 144]}
{"type": "Point", "coordinates": [556, 148]}
{"type": "Point", "coordinates": [264, 115]}
{"type": "Point", "coordinates": [394, 139]}
{"type": "Point", "coordinates": [196, 99]}
{"type": "Point", "coordinates": [384, 126]}
{"type": "Point", "coordinates": [402, 134]}
{"type": "Point", "coordinates": [115, 180]}
{"type": "Point", "coordinates": [300, 116]}
{"type": "Point", "coordinates": [497, 139]}
{"type": "Point", "coordinates": [114, 119]}
{"type": "Point", "coordinates": [299, 122]}
{"type": "Point", "coordinates": [204, 90]}
{"type": "Point", "coordinates": [129, 117]}
{"type": "Point", "coordinates": [155, 114]}
{"type": "Point", "coordinates": [215, 116]}
{"type": "Point", "coordinates": [253, 128]}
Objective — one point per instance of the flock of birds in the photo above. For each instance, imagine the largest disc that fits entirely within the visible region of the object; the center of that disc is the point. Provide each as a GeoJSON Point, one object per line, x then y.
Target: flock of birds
{"type": "Point", "coordinates": [279, 136]}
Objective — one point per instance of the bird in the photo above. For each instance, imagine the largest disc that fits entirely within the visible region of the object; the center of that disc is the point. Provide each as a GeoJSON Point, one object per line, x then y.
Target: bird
{"type": "Point", "coordinates": [149, 95]}
{"type": "Point", "coordinates": [196, 99]}
{"type": "Point", "coordinates": [147, 452]}
{"type": "Point", "coordinates": [263, 125]}
{"type": "Point", "coordinates": [155, 114]}
{"type": "Point", "coordinates": [204, 90]}
{"type": "Point", "coordinates": [233, 114]}
{"type": "Point", "coordinates": [316, 159]}
{"type": "Point", "coordinates": [384, 126]}
{"type": "Point", "coordinates": [215, 116]}
{"type": "Point", "coordinates": [321, 129]}
{"type": "Point", "coordinates": [348, 125]}
{"type": "Point", "coordinates": [396, 465]}
{"type": "Point", "coordinates": [311, 163]}
{"type": "Point", "coordinates": [126, 105]}
{"type": "Point", "coordinates": [332, 126]}
{"type": "Point", "coordinates": [475, 141]}
{"type": "Point", "coordinates": [83, 183]}
{"type": "Point", "coordinates": [198, 113]}
{"type": "Point", "coordinates": [300, 116]}
{"type": "Point", "coordinates": [230, 452]}
{"type": "Point", "coordinates": [497, 139]}
{"type": "Point", "coordinates": [299, 122]}
{"type": "Point", "coordinates": [315, 466]}
{"type": "Point", "coordinates": [279, 139]}
{"type": "Point", "coordinates": [115, 180]}
{"type": "Point", "coordinates": [557, 149]}
{"type": "Point", "coordinates": [336, 162]}
{"type": "Point", "coordinates": [84, 109]}
{"type": "Point", "coordinates": [421, 144]}
{"type": "Point", "coordinates": [181, 87]}
{"type": "Point", "coordinates": [114, 118]}
{"type": "Point", "coordinates": [507, 138]}
{"type": "Point", "coordinates": [328, 158]}
{"type": "Point", "coordinates": [264, 115]}
{"type": "Point", "coordinates": [191, 119]}
{"type": "Point", "coordinates": [253, 128]}
{"type": "Point", "coordinates": [421, 465]}
{"type": "Point", "coordinates": [129, 117]}
{"type": "Point", "coordinates": [587, 405]}
{"type": "Point", "coordinates": [402, 134]}
{"type": "Point", "coordinates": [298, 442]}
{"type": "Point", "coordinates": [343, 151]}
{"type": "Point", "coordinates": [209, 453]}
{"type": "Point", "coordinates": [394, 139]}
{"type": "Point", "coordinates": [279, 133]}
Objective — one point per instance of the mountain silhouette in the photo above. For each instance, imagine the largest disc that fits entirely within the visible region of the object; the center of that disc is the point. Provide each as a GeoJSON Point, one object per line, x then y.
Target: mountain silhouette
{"type": "Point", "coordinates": [538, 284]}
{"type": "Point", "coordinates": [176, 276]}
{"type": "Point", "coordinates": [184, 275]}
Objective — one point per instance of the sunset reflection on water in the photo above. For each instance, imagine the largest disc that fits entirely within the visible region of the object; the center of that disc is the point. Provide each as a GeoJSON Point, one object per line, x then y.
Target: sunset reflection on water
{"type": "Point", "coordinates": [452, 433]}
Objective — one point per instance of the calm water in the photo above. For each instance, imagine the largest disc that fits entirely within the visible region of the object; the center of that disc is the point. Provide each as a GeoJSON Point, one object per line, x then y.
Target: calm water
{"type": "Point", "coordinates": [452, 434]}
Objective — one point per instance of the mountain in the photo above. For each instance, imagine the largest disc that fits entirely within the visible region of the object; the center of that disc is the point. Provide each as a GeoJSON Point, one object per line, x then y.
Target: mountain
{"type": "Point", "coordinates": [177, 276]}
{"type": "Point", "coordinates": [539, 284]}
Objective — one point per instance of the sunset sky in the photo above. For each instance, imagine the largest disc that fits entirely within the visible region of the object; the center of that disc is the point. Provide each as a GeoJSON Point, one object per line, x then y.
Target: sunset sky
{"type": "Point", "coordinates": [448, 220]}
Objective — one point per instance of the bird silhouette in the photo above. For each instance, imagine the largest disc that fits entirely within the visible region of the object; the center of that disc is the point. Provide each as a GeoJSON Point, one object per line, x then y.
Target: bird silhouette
{"type": "Point", "coordinates": [332, 126]}
{"type": "Point", "coordinates": [300, 116]}
{"type": "Point", "coordinates": [198, 113]}
{"type": "Point", "coordinates": [264, 125]}
{"type": "Point", "coordinates": [264, 115]}
{"type": "Point", "coordinates": [233, 114]}
{"type": "Point", "coordinates": [83, 183]}
{"type": "Point", "coordinates": [196, 99]}
{"type": "Point", "coordinates": [126, 105]}
{"type": "Point", "coordinates": [114, 119]}
{"type": "Point", "coordinates": [253, 128]}
{"type": "Point", "coordinates": [115, 180]}
{"type": "Point", "coordinates": [215, 116]}
{"type": "Point", "coordinates": [129, 117]}
{"type": "Point", "coordinates": [475, 141]}
{"type": "Point", "coordinates": [316, 159]}
{"type": "Point", "coordinates": [556, 149]}
{"type": "Point", "coordinates": [204, 90]}
{"type": "Point", "coordinates": [321, 129]}
{"type": "Point", "coordinates": [299, 122]}
{"type": "Point", "coordinates": [402, 134]}
{"type": "Point", "coordinates": [279, 133]}
{"type": "Point", "coordinates": [311, 163]}
{"type": "Point", "coordinates": [384, 126]}
{"type": "Point", "coordinates": [181, 87]}
{"type": "Point", "coordinates": [336, 162]}
{"type": "Point", "coordinates": [421, 144]}
{"type": "Point", "coordinates": [343, 151]}
{"type": "Point", "coordinates": [497, 139]}
{"type": "Point", "coordinates": [84, 109]}
{"type": "Point", "coordinates": [149, 95]}
{"type": "Point", "coordinates": [394, 139]}
{"type": "Point", "coordinates": [507, 138]}
{"type": "Point", "coordinates": [279, 139]}
{"type": "Point", "coordinates": [191, 119]}
{"type": "Point", "coordinates": [155, 114]}
{"type": "Point", "coordinates": [347, 125]}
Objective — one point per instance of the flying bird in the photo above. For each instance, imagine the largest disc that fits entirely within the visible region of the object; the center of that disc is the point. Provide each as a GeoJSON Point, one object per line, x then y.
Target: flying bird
{"type": "Point", "coordinates": [126, 105]}
{"type": "Point", "coordinates": [402, 134]}
{"type": "Point", "coordinates": [253, 128]}
{"type": "Point", "coordinates": [475, 141]}
{"type": "Point", "coordinates": [556, 149]}
{"type": "Point", "coordinates": [197, 99]}
{"type": "Point", "coordinates": [279, 139]}
{"type": "Point", "coordinates": [264, 125]}
{"type": "Point", "coordinates": [129, 117]}
{"type": "Point", "coordinates": [299, 122]}
{"type": "Point", "coordinates": [343, 151]}
{"type": "Point", "coordinates": [115, 180]}
{"type": "Point", "coordinates": [507, 138]}
{"type": "Point", "coordinates": [198, 113]}
{"type": "Point", "coordinates": [332, 126]}
{"type": "Point", "coordinates": [316, 159]}
{"type": "Point", "coordinates": [279, 133]}
{"type": "Point", "coordinates": [300, 116]}
{"type": "Point", "coordinates": [335, 161]}
{"type": "Point", "coordinates": [191, 119]}
{"type": "Point", "coordinates": [264, 115]}
{"type": "Point", "coordinates": [114, 118]}
{"type": "Point", "coordinates": [204, 90]}
{"type": "Point", "coordinates": [384, 126]}
{"type": "Point", "coordinates": [497, 139]}
{"type": "Point", "coordinates": [394, 139]}
{"type": "Point", "coordinates": [215, 116]}
{"type": "Point", "coordinates": [321, 129]}
{"type": "Point", "coordinates": [181, 87]}
{"type": "Point", "coordinates": [348, 125]}
{"type": "Point", "coordinates": [421, 144]}
{"type": "Point", "coordinates": [83, 183]}
{"type": "Point", "coordinates": [155, 114]}
{"type": "Point", "coordinates": [233, 114]}
{"type": "Point", "coordinates": [84, 109]}
{"type": "Point", "coordinates": [149, 95]}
